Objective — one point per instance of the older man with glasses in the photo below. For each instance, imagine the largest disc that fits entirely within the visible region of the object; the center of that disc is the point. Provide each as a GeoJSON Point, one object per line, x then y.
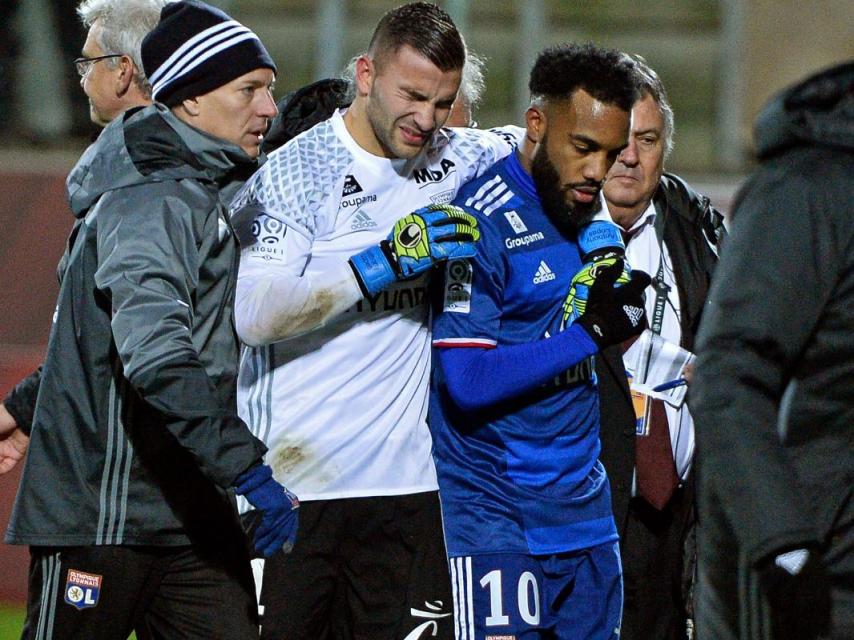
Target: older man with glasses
{"type": "Point", "coordinates": [113, 87]}
{"type": "Point", "coordinates": [114, 25]}
{"type": "Point", "coordinates": [110, 70]}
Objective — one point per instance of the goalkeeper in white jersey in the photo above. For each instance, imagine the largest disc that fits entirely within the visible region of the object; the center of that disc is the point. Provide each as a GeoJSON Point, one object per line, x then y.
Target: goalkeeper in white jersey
{"type": "Point", "coordinates": [331, 301]}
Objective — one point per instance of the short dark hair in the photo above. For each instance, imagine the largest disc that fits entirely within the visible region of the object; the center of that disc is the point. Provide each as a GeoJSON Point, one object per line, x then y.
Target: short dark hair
{"type": "Point", "coordinates": [649, 84]}
{"type": "Point", "coordinates": [426, 28]}
{"type": "Point", "coordinates": [606, 74]}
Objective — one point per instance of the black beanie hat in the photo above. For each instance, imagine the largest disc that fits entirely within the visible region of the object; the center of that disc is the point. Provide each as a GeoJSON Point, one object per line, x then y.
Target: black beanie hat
{"type": "Point", "coordinates": [196, 48]}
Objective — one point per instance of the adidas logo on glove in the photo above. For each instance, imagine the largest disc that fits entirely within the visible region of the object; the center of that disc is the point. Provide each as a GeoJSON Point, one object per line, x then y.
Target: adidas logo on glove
{"type": "Point", "coordinates": [634, 314]}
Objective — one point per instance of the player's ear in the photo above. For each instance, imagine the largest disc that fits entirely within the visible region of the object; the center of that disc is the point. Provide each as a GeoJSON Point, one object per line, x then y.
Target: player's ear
{"type": "Point", "coordinates": [365, 74]}
{"type": "Point", "coordinates": [535, 124]}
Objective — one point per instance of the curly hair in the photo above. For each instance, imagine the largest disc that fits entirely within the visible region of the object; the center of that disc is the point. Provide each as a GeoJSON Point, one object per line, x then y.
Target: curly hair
{"type": "Point", "coordinates": [424, 27]}
{"type": "Point", "coordinates": [606, 74]}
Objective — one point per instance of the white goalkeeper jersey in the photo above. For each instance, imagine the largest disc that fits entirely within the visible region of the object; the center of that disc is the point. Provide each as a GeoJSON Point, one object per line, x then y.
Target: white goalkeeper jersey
{"type": "Point", "coordinates": [341, 406]}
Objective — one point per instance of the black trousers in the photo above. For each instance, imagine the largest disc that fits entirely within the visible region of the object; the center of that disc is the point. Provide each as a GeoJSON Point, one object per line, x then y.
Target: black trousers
{"type": "Point", "coordinates": [362, 569]}
{"type": "Point", "coordinates": [105, 592]}
{"type": "Point", "coordinates": [655, 568]}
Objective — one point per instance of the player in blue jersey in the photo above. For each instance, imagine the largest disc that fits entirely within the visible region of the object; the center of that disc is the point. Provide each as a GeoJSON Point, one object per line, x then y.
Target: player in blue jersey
{"type": "Point", "coordinates": [514, 406]}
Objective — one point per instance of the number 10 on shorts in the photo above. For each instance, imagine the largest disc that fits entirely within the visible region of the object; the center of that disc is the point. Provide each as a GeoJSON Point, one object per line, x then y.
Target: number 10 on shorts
{"type": "Point", "coordinates": [496, 596]}
{"type": "Point", "coordinates": [574, 595]}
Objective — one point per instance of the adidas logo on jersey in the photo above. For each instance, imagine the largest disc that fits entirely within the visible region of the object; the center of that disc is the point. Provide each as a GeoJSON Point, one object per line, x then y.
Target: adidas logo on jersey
{"type": "Point", "coordinates": [634, 314]}
{"type": "Point", "coordinates": [544, 274]}
{"type": "Point", "coordinates": [362, 221]}
{"type": "Point", "coordinates": [351, 186]}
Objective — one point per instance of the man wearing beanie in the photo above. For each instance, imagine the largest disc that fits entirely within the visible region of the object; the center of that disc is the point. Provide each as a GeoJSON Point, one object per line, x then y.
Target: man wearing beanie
{"type": "Point", "coordinates": [126, 496]}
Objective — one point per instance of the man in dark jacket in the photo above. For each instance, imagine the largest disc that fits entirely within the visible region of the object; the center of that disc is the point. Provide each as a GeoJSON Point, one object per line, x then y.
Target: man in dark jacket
{"type": "Point", "coordinates": [673, 233]}
{"type": "Point", "coordinates": [774, 389]}
{"type": "Point", "coordinates": [135, 440]}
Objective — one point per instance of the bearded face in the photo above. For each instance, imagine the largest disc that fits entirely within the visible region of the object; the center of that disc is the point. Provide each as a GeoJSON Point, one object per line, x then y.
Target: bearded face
{"type": "Point", "coordinates": [557, 199]}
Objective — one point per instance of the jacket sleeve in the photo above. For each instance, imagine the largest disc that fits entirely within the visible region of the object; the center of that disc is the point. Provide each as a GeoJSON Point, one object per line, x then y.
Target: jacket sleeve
{"type": "Point", "coordinates": [21, 401]}
{"type": "Point", "coordinates": [772, 283]}
{"type": "Point", "coordinates": [148, 269]}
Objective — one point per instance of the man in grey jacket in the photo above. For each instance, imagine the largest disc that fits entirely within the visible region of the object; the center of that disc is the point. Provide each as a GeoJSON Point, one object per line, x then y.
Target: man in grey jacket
{"type": "Point", "coordinates": [135, 441]}
{"type": "Point", "coordinates": [774, 391]}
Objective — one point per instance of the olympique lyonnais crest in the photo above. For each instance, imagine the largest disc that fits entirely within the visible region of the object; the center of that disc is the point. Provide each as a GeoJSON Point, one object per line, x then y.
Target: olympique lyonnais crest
{"type": "Point", "coordinates": [82, 589]}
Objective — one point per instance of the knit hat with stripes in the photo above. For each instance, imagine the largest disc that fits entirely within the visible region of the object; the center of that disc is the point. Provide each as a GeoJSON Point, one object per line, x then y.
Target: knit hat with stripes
{"type": "Point", "coordinates": [196, 48]}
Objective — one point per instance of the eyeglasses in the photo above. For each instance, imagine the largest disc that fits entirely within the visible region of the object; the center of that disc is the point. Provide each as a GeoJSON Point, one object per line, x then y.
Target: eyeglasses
{"type": "Point", "coordinates": [84, 64]}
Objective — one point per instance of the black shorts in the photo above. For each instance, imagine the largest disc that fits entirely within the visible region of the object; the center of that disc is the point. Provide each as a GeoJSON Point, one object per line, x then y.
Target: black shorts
{"type": "Point", "coordinates": [362, 569]}
{"type": "Point", "coordinates": [105, 592]}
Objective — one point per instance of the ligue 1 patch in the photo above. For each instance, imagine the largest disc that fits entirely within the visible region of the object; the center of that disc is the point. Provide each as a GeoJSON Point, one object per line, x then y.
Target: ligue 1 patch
{"type": "Point", "coordinates": [268, 231]}
{"type": "Point", "coordinates": [82, 590]}
{"type": "Point", "coordinates": [458, 277]}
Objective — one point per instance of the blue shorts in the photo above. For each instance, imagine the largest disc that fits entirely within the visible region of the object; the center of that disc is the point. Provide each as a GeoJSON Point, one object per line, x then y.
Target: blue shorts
{"type": "Point", "coordinates": [572, 596]}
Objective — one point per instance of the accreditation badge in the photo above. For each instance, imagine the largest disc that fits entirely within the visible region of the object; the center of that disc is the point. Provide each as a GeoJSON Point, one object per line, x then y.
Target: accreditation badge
{"type": "Point", "coordinates": [642, 406]}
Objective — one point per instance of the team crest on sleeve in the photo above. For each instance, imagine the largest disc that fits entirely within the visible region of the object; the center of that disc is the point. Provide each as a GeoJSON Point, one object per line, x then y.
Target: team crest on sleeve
{"type": "Point", "coordinates": [82, 590]}
{"type": "Point", "coordinates": [458, 277]}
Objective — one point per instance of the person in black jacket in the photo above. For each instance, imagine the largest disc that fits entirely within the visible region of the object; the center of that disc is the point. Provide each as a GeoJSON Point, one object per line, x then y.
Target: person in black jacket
{"type": "Point", "coordinates": [127, 495]}
{"type": "Point", "coordinates": [774, 387]}
{"type": "Point", "coordinates": [673, 232]}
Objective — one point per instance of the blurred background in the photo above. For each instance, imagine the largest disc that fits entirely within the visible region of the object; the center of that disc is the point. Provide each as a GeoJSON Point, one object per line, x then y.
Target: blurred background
{"type": "Point", "coordinates": [719, 61]}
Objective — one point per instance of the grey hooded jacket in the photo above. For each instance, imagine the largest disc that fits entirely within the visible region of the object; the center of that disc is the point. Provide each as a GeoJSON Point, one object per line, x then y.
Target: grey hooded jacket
{"type": "Point", "coordinates": [135, 437]}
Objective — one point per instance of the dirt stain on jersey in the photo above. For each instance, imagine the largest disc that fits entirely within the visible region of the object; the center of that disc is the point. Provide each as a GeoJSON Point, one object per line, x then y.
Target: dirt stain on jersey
{"type": "Point", "coordinates": [315, 312]}
{"type": "Point", "coordinates": [285, 459]}
{"type": "Point", "coordinates": [291, 459]}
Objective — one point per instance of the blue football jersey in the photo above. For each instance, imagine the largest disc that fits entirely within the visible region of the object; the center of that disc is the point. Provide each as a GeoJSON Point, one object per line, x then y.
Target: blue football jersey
{"type": "Point", "coordinates": [522, 476]}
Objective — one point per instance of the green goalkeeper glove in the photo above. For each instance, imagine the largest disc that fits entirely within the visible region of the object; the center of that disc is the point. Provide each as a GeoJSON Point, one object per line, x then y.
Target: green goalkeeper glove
{"type": "Point", "coordinates": [419, 240]}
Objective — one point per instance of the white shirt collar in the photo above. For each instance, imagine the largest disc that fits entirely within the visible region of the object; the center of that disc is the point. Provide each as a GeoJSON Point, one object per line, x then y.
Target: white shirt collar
{"type": "Point", "coordinates": [647, 217]}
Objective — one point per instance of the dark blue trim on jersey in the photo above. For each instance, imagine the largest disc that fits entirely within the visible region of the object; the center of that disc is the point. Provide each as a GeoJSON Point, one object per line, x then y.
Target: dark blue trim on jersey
{"type": "Point", "coordinates": [480, 378]}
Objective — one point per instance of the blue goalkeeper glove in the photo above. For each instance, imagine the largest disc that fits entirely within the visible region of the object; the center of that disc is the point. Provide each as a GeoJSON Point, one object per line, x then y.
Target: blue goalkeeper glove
{"type": "Point", "coordinates": [419, 240]}
{"type": "Point", "coordinates": [278, 507]}
{"type": "Point", "coordinates": [601, 245]}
